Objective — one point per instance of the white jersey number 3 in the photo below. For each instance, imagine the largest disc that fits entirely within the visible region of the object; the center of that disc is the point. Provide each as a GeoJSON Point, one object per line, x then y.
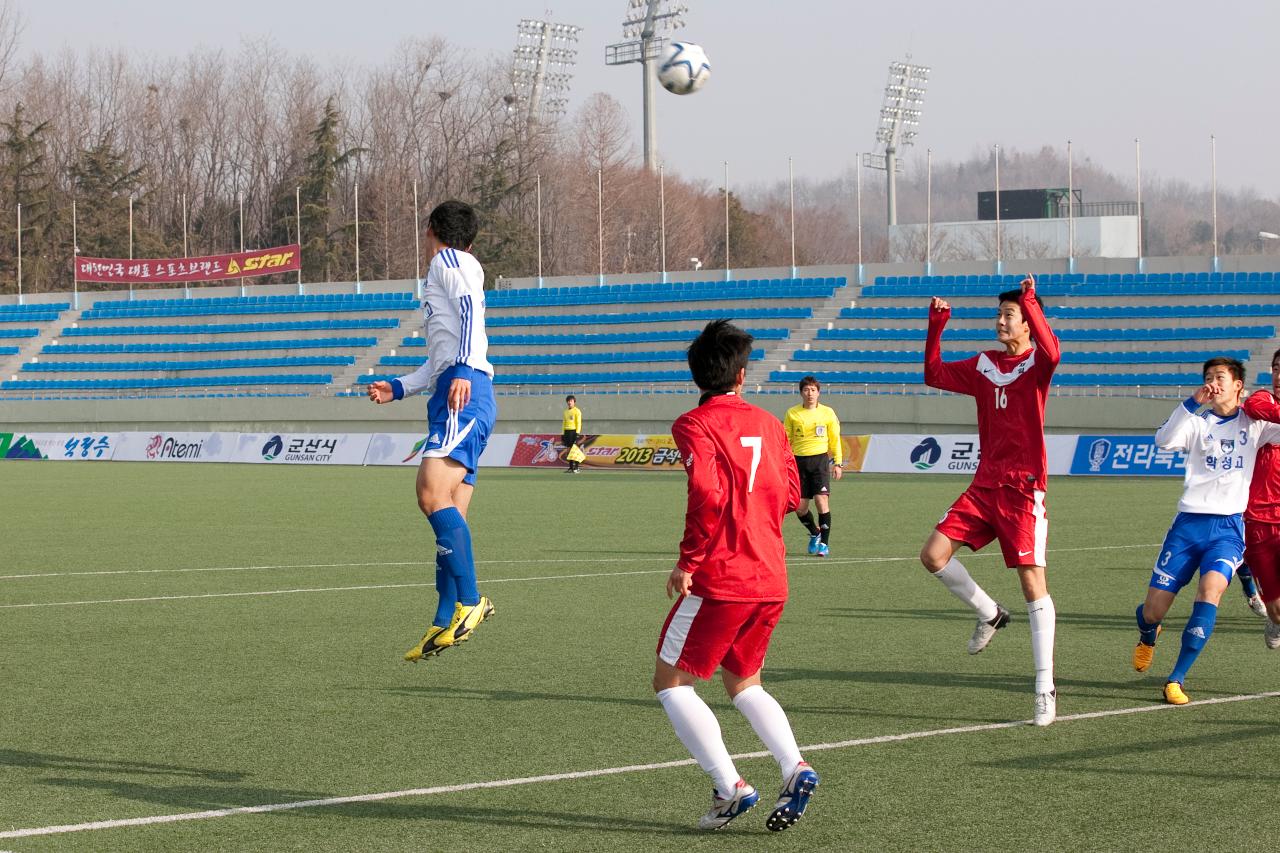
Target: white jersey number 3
{"type": "Point", "coordinates": [754, 442]}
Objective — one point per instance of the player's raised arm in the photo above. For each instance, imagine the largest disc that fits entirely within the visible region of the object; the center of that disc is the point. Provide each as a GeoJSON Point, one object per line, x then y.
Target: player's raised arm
{"type": "Point", "coordinates": [948, 376]}
{"type": "Point", "coordinates": [1185, 423]}
{"type": "Point", "coordinates": [1046, 340]}
{"type": "Point", "coordinates": [706, 493]}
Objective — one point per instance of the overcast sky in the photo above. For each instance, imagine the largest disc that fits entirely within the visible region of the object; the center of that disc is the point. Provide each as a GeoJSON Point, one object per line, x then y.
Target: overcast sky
{"type": "Point", "coordinates": [804, 78]}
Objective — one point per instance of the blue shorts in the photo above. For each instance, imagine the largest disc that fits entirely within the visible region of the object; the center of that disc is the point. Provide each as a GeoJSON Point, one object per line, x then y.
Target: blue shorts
{"type": "Point", "coordinates": [461, 435]}
{"type": "Point", "coordinates": [1210, 543]}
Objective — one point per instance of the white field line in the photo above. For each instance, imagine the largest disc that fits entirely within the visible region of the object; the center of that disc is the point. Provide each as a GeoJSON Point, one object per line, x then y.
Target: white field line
{"type": "Point", "coordinates": [589, 774]}
{"type": "Point", "coordinates": [536, 562]}
{"type": "Point", "coordinates": [486, 581]}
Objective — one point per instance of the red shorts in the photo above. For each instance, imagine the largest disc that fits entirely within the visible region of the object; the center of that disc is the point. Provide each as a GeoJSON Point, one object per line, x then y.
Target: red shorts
{"type": "Point", "coordinates": [701, 634]}
{"type": "Point", "coordinates": [1262, 553]}
{"type": "Point", "coordinates": [1014, 517]}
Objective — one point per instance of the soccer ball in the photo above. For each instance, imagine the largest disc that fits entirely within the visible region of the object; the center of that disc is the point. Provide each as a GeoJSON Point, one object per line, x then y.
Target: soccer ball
{"type": "Point", "coordinates": [684, 68]}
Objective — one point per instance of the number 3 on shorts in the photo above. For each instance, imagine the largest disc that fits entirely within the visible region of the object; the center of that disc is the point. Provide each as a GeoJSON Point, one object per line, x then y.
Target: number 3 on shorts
{"type": "Point", "coordinates": [754, 442]}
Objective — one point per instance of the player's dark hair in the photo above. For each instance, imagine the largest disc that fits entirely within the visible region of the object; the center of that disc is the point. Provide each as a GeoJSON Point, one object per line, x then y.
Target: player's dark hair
{"type": "Point", "coordinates": [1015, 296]}
{"type": "Point", "coordinates": [717, 354]}
{"type": "Point", "coordinates": [571, 398]}
{"type": "Point", "coordinates": [1275, 355]}
{"type": "Point", "coordinates": [1232, 364]}
{"type": "Point", "coordinates": [455, 223]}
{"type": "Point", "coordinates": [810, 380]}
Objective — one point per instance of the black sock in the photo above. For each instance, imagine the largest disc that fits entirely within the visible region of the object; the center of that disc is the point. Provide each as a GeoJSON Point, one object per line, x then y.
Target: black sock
{"type": "Point", "coordinates": [807, 521]}
{"type": "Point", "coordinates": [824, 521]}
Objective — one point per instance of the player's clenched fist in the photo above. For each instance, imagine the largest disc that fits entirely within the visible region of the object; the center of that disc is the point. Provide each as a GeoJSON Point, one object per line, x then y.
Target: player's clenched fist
{"type": "Point", "coordinates": [938, 304]}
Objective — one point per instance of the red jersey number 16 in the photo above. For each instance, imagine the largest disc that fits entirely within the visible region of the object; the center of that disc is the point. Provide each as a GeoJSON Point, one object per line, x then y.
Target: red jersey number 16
{"type": "Point", "coordinates": [1002, 399]}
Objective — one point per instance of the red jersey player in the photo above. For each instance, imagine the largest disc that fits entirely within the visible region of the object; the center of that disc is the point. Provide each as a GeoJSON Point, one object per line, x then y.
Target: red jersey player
{"type": "Point", "coordinates": [1005, 502]}
{"type": "Point", "coordinates": [731, 578]}
{"type": "Point", "coordinates": [1262, 517]}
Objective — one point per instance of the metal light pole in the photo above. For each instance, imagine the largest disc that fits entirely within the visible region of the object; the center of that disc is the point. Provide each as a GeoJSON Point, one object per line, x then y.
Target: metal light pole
{"type": "Point", "coordinates": [662, 221]}
{"type": "Point", "coordinates": [858, 172]}
{"type": "Point", "coordinates": [357, 205]}
{"type": "Point", "coordinates": [726, 220]}
{"type": "Point", "coordinates": [1071, 219]}
{"type": "Point", "coordinates": [899, 114]}
{"type": "Point", "coordinates": [999, 241]}
{"type": "Point", "coordinates": [297, 212]}
{"type": "Point", "coordinates": [1137, 163]}
{"type": "Point", "coordinates": [644, 19]}
{"type": "Point", "coordinates": [928, 212]}
{"type": "Point", "coordinates": [240, 198]}
{"type": "Point", "coordinates": [538, 194]}
{"type": "Point", "coordinates": [542, 67]}
{"type": "Point", "coordinates": [186, 286]}
{"type": "Point", "coordinates": [791, 181]}
{"type": "Point", "coordinates": [131, 240]}
{"type": "Point", "coordinates": [600, 219]}
{"type": "Point", "coordinates": [75, 258]}
{"type": "Point", "coordinates": [1213, 169]}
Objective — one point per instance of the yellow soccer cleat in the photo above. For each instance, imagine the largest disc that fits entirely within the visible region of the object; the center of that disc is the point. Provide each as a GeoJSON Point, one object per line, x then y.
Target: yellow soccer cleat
{"type": "Point", "coordinates": [435, 641]}
{"type": "Point", "coordinates": [1173, 694]}
{"type": "Point", "coordinates": [466, 619]}
{"type": "Point", "coordinates": [1144, 654]}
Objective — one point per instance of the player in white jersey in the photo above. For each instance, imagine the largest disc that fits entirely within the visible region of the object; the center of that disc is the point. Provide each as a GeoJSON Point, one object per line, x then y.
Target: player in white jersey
{"type": "Point", "coordinates": [1221, 443]}
{"type": "Point", "coordinates": [458, 380]}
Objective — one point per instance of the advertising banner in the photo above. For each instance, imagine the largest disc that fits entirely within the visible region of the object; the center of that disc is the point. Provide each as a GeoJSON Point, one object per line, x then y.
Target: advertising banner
{"type": "Point", "coordinates": [15, 445]}
{"type": "Point", "coordinates": [652, 452]}
{"type": "Point", "coordinates": [176, 447]}
{"type": "Point", "coordinates": [75, 446]}
{"type": "Point", "coordinates": [949, 454]}
{"type": "Point", "coordinates": [406, 449]}
{"type": "Point", "coordinates": [178, 270]}
{"type": "Point", "coordinates": [855, 451]}
{"type": "Point", "coordinates": [302, 449]}
{"type": "Point", "coordinates": [1125, 455]}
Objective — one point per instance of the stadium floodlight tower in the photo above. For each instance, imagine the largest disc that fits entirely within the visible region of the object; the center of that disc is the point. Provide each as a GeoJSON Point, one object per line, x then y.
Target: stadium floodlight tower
{"type": "Point", "coordinates": [899, 116]}
{"type": "Point", "coordinates": [644, 19]}
{"type": "Point", "coordinates": [541, 68]}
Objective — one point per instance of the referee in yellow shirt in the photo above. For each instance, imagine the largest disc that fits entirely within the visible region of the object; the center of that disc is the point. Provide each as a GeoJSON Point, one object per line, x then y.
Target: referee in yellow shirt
{"type": "Point", "coordinates": [814, 431]}
{"type": "Point", "coordinates": [572, 428]}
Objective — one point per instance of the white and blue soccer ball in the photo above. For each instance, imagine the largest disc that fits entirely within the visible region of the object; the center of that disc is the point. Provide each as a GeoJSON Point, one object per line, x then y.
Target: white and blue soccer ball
{"type": "Point", "coordinates": [684, 68]}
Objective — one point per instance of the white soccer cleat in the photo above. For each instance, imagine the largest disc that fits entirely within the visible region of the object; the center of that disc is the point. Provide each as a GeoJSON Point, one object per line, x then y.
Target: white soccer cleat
{"type": "Point", "coordinates": [1272, 635]}
{"type": "Point", "coordinates": [985, 630]}
{"type": "Point", "coordinates": [722, 811]}
{"type": "Point", "coordinates": [1046, 708]}
{"type": "Point", "coordinates": [1256, 605]}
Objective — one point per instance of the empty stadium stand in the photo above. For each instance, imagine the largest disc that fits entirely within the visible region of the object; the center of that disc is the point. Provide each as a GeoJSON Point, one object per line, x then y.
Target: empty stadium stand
{"type": "Point", "coordinates": [1121, 332]}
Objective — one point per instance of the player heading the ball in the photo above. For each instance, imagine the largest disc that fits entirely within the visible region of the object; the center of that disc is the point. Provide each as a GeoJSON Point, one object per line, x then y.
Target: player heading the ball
{"type": "Point", "coordinates": [1005, 501]}
{"type": "Point", "coordinates": [458, 381]}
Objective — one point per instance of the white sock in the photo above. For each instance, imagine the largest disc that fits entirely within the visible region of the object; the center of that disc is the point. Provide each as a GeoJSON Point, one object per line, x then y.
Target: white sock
{"type": "Point", "coordinates": [770, 722]}
{"type": "Point", "coordinates": [698, 730]}
{"type": "Point", "coordinates": [955, 578]}
{"type": "Point", "coordinates": [1043, 617]}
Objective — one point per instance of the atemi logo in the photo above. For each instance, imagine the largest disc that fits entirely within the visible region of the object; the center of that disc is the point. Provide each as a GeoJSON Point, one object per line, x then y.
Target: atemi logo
{"type": "Point", "coordinates": [153, 446]}
{"type": "Point", "coordinates": [926, 454]}
{"type": "Point", "coordinates": [273, 448]}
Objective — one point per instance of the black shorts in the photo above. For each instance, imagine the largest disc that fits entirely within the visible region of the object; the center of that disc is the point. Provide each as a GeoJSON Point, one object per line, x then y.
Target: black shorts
{"type": "Point", "coordinates": [570, 438]}
{"type": "Point", "coordinates": [815, 475]}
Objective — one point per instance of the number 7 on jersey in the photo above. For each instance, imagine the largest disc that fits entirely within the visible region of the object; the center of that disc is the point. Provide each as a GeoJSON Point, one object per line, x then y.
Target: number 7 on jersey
{"type": "Point", "coordinates": [754, 442]}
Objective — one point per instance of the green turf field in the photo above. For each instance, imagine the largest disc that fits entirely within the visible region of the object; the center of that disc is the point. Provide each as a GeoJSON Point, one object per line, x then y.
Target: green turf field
{"type": "Point", "coordinates": [201, 637]}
